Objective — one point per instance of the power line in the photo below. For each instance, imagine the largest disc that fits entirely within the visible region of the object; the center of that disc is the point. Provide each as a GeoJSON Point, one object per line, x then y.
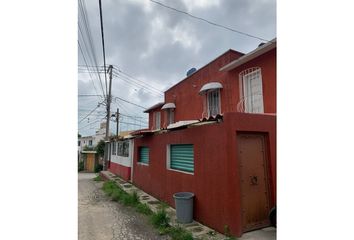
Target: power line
{"type": "Point", "coordinates": [134, 78]}
{"type": "Point", "coordinates": [90, 113]}
{"type": "Point", "coordinates": [131, 103]}
{"type": "Point", "coordinates": [91, 123]}
{"type": "Point", "coordinates": [140, 86]}
{"type": "Point", "coordinates": [83, 56]}
{"type": "Point", "coordinates": [207, 21]}
{"type": "Point", "coordinates": [86, 23]}
{"type": "Point", "coordinates": [103, 49]}
{"type": "Point", "coordinates": [88, 95]}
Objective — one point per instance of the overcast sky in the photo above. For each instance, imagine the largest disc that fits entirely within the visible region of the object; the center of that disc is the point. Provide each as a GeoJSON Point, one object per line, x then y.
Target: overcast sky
{"type": "Point", "coordinates": [158, 46]}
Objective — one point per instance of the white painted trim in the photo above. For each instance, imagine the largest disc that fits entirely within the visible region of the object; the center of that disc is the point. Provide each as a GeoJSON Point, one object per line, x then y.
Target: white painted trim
{"type": "Point", "coordinates": [251, 55]}
{"type": "Point", "coordinates": [168, 158]}
{"type": "Point", "coordinates": [175, 170]}
{"type": "Point", "coordinates": [144, 164]}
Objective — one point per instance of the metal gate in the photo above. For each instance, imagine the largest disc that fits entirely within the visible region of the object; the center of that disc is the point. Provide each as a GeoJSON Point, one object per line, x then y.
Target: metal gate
{"type": "Point", "coordinates": [254, 181]}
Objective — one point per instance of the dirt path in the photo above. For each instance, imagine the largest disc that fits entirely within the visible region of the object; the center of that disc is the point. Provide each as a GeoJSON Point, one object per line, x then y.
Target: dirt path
{"type": "Point", "coordinates": [101, 219]}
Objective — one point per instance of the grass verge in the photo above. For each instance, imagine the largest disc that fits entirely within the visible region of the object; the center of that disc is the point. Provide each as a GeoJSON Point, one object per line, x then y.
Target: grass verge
{"type": "Point", "coordinates": [159, 220]}
{"type": "Point", "coordinates": [97, 178]}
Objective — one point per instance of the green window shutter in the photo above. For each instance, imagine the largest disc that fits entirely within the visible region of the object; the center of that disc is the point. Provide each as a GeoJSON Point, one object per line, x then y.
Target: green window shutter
{"type": "Point", "coordinates": [182, 157]}
{"type": "Point", "coordinates": [144, 155]}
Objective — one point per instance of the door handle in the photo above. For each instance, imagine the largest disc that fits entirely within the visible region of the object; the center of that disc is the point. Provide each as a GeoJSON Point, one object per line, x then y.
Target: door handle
{"type": "Point", "coordinates": [254, 180]}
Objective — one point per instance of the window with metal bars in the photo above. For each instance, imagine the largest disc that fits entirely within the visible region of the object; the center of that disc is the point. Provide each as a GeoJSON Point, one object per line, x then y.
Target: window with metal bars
{"type": "Point", "coordinates": [251, 91]}
{"type": "Point", "coordinates": [213, 101]}
{"type": "Point", "coordinates": [114, 148]}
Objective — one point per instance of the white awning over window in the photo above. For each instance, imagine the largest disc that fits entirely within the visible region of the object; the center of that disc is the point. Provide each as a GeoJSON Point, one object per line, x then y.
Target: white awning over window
{"type": "Point", "coordinates": [168, 105]}
{"type": "Point", "coordinates": [210, 86]}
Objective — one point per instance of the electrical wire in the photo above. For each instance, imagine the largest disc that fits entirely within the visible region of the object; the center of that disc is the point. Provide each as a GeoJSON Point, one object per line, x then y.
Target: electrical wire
{"type": "Point", "coordinates": [84, 19]}
{"type": "Point", "coordinates": [134, 78]}
{"type": "Point", "coordinates": [209, 22]}
{"type": "Point", "coordinates": [83, 56]}
{"type": "Point", "coordinates": [130, 102]}
{"type": "Point", "coordinates": [90, 113]}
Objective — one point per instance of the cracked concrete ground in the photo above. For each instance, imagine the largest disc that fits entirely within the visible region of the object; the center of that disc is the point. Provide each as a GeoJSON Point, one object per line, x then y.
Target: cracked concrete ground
{"type": "Point", "coordinates": [101, 219]}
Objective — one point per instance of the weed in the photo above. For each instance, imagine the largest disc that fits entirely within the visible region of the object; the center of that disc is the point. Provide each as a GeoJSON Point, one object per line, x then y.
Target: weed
{"type": "Point", "coordinates": [160, 219]}
{"type": "Point", "coordinates": [143, 208]}
{"type": "Point", "coordinates": [97, 178]}
{"type": "Point", "coordinates": [178, 233]}
{"type": "Point", "coordinates": [117, 195]}
{"type": "Point", "coordinates": [108, 187]}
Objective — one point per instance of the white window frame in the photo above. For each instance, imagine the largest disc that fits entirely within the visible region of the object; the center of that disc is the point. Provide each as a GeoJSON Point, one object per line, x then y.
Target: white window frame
{"type": "Point", "coordinates": [157, 120]}
{"type": "Point", "coordinates": [247, 97]}
{"type": "Point", "coordinates": [114, 148]}
{"type": "Point", "coordinates": [208, 96]}
{"type": "Point", "coordinates": [170, 116]}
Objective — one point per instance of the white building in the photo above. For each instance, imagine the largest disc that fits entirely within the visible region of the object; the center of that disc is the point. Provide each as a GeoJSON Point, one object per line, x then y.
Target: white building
{"type": "Point", "coordinates": [92, 141]}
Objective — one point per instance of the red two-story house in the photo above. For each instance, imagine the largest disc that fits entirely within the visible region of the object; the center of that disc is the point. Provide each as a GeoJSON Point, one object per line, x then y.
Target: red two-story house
{"type": "Point", "coordinates": [215, 136]}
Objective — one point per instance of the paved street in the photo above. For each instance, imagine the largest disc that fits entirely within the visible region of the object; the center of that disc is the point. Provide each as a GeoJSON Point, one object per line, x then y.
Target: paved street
{"type": "Point", "coordinates": [101, 219]}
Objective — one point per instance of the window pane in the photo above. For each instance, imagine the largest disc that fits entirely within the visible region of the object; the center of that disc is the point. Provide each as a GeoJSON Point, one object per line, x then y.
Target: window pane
{"type": "Point", "coordinates": [144, 155]}
{"type": "Point", "coordinates": [182, 157]}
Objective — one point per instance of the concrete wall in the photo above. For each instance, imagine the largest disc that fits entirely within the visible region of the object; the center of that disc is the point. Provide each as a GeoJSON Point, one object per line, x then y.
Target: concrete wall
{"type": "Point", "coordinates": [215, 180]}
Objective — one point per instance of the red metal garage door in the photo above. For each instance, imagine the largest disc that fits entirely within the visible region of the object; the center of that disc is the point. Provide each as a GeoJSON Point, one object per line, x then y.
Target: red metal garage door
{"type": "Point", "coordinates": [254, 181]}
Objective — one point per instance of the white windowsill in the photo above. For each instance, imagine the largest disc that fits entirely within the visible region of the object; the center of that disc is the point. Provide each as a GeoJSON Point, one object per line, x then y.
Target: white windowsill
{"type": "Point", "coordinates": [180, 171]}
{"type": "Point", "coordinates": [144, 164]}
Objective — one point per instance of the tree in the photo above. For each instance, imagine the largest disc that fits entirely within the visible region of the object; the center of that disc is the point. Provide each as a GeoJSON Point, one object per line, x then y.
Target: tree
{"type": "Point", "coordinates": [78, 135]}
{"type": "Point", "coordinates": [100, 148]}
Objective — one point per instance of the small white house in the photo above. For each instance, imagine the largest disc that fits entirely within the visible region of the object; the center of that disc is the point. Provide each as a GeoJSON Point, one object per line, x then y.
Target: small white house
{"type": "Point", "coordinates": [121, 156]}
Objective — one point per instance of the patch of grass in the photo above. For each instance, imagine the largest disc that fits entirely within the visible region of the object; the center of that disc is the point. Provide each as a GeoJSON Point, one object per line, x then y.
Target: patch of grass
{"type": "Point", "coordinates": [130, 199]}
{"type": "Point", "coordinates": [109, 187]}
{"type": "Point", "coordinates": [97, 178]}
{"type": "Point", "coordinates": [160, 220]}
{"type": "Point", "coordinates": [178, 233]}
{"type": "Point", "coordinates": [143, 208]}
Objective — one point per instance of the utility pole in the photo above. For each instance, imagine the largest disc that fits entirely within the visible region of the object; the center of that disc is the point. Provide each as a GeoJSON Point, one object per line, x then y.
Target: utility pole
{"type": "Point", "coordinates": [117, 118]}
{"type": "Point", "coordinates": [109, 98]}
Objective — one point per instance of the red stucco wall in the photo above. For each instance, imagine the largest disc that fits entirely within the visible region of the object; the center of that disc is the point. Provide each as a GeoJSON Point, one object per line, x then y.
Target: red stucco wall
{"type": "Point", "coordinates": [189, 104]}
{"type": "Point", "coordinates": [215, 181]}
{"type": "Point", "coordinates": [120, 170]}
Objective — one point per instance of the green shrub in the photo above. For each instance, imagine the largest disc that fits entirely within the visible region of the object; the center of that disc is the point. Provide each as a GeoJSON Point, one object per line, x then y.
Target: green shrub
{"type": "Point", "coordinates": [98, 168]}
{"type": "Point", "coordinates": [143, 208]}
{"type": "Point", "coordinates": [81, 166]}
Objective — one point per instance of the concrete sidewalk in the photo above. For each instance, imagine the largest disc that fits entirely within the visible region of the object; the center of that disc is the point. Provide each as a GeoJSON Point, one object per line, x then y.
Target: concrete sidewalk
{"type": "Point", "coordinates": [198, 230]}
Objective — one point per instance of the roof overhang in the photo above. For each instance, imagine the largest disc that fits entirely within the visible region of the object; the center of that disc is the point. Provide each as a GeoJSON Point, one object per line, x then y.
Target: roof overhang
{"type": "Point", "coordinates": [168, 105]}
{"type": "Point", "coordinates": [251, 55]}
{"type": "Point", "coordinates": [153, 107]}
{"type": "Point", "coordinates": [210, 86]}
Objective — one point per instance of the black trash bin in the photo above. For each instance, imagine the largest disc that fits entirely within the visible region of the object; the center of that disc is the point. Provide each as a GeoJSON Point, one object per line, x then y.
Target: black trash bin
{"type": "Point", "coordinates": [184, 206]}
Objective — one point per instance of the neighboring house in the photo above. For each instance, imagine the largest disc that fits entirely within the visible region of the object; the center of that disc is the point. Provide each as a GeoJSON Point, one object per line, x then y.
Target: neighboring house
{"type": "Point", "coordinates": [215, 136]}
{"type": "Point", "coordinates": [121, 152]}
{"type": "Point", "coordinates": [92, 141]}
